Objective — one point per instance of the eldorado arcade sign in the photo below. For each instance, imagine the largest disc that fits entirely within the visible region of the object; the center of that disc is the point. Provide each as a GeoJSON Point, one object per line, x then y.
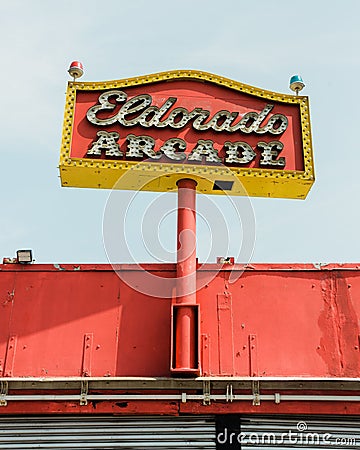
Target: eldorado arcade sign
{"type": "Point", "coordinates": [149, 132]}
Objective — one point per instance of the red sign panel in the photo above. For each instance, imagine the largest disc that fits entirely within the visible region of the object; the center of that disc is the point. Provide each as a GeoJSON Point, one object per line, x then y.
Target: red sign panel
{"type": "Point", "coordinates": [221, 129]}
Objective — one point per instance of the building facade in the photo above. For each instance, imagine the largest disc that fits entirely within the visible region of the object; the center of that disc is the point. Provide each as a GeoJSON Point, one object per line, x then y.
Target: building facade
{"type": "Point", "coordinates": [87, 358]}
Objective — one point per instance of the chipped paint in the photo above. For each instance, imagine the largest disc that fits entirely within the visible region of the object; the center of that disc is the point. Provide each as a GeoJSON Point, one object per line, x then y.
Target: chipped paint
{"type": "Point", "coordinates": [340, 328]}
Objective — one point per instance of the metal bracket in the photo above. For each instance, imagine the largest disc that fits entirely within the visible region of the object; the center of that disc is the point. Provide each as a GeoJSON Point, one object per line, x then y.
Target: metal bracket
{"type": "Point", "coordinates": [206, 392]}
{"type": "Point", "coordinates": [277, 398]}
{"type": "Point", "coordinates": [87, 354]}
{"type": "Point", "coordinates": [256, 392]}
{"type": "Point", "coordinates": [230, 397]}
{"type": "Point", "coordinates": [10, 356]}
{"type": "Point", "coordinates": [84, 392]}
{"type": "Point", "coordinates": [4, 389]}
{"type": "Point", "coordinates": [253, 355]}
{"type": "Point", "coordinates": [183, 397]}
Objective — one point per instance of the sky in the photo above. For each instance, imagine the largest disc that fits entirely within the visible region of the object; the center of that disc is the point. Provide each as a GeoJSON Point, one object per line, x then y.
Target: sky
{"type": "Point", "coordinates": [259, 43]}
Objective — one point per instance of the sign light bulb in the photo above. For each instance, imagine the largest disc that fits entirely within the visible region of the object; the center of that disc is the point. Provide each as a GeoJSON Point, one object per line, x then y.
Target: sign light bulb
{"type": "Point", "coordinates": [296, 84]}
{"type": "Point", "coordinates": [76, 70]}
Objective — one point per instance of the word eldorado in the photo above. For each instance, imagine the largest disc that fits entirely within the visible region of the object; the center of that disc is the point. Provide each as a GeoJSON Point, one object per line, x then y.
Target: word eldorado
{"type": "Point", "coordinates": [140, 111]}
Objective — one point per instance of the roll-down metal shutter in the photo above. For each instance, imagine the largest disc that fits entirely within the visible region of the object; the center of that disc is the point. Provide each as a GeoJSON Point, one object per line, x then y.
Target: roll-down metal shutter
{"type": "Point", "coordinates": [282, 433]}
{"type": "Point", "coordinates": [96, 432]}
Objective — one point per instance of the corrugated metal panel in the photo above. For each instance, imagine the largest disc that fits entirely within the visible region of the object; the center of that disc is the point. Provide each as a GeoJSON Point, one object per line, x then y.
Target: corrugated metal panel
{"type": "Point", "coordinates": [95, 432]}
{"type": "Point", "coordinates": [299, 432]}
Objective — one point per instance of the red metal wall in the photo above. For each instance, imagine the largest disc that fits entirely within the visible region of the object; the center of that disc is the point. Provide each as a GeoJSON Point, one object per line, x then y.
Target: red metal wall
{"type": "Point", "coordinates": [283, 320]}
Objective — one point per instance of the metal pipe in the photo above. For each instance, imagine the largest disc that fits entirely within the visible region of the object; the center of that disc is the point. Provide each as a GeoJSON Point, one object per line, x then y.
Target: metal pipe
{"type": "Point", "coordinates": [190, 397]}
{"type": "Point", "coordinates": [186, 242]}
{"type": "Point", "coordinates": [185, 316]}
{"type": "Point", "coordinates": [30, 380]}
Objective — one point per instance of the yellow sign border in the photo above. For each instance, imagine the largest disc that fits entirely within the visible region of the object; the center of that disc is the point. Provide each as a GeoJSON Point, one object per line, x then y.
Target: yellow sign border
{"type": "Point", "coordinates": [156, 176]}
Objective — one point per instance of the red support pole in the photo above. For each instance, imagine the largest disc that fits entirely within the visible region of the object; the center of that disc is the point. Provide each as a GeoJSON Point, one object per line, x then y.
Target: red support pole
{"type": "Point", "coordinates": [186, 242]}
{"type": "Point", "coordinates": [185, 309]}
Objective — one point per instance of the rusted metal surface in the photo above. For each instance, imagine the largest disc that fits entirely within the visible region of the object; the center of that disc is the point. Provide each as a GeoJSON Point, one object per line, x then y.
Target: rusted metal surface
{"type": "Point", "coordinates": [305, 320]}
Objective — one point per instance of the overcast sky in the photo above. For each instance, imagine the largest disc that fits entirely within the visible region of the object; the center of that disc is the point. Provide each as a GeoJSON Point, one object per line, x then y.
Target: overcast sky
{"type": "Point", "coordinates": [260, 43]}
